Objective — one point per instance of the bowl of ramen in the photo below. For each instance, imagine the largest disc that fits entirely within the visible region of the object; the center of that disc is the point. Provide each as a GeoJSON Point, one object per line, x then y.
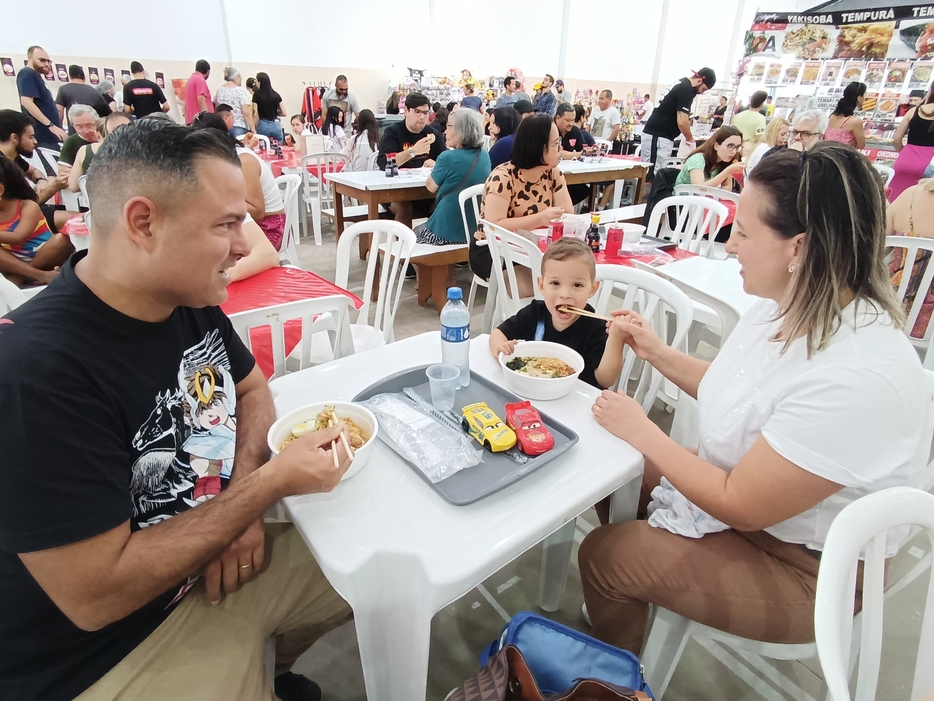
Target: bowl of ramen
{"type": "Point", "coordinates": [541, 369]}
{"type": "Point", "coordinates": [360, 423]}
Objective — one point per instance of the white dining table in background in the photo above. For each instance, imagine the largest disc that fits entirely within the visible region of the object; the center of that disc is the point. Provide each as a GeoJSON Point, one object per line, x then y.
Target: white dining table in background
{"type": "Point", "coordinates": [398, 553]}
{"type": "Point", "coordinates": [717, 278]}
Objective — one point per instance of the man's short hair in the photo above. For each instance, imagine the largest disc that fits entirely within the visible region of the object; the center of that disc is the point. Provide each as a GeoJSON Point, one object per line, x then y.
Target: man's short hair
{"type": "Point", "coordinates": [567, 248]}
{"type": "Point", "coordinates": [202, 66]}
{"type": "Point", "coordinates": [758, 99]}
{"type": "Point", "coordinates": [608, 93]}
{"type": "Point", "coordinates": [223, 107]}
{"type": "Point", "coordinates": [341, 78]}
{"type": "Point", "coordinates": [509, 80]}
{"type": "Point", "coordinates": [75, 71]}
{"type": "Point", "coordinates": [31, 49]}
{"type": "Point", "coordinates": [136, 67]}
{"type": "Point", "coordinates": [648, 97]}
{"type": "Point", "coordinates": [12, 123]}
{"type": "Point", "coordinates": [562, 108]}
{"type": "Point", "coordinates": [819, 117]}
{"type": "Point", "coordinates": [151, 158]}
{"type": "Point", "coordinates": [551, 77]}
{"type": "Point", "coordinates": [76, 111]}
{"type": "Point", "coordinates": [416, 99]}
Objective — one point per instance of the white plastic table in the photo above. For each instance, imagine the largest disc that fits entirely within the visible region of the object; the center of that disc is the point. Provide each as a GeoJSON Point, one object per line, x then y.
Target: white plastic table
{"type": "Point", "coordinates": [373, 188]}
{"type": "Point", "coordinates": [398, 553]}
{"type": "Point", "coordinates": [719, 279]}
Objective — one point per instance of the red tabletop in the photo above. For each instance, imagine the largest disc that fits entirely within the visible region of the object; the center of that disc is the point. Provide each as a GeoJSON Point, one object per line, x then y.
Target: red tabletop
{"type": "Point", "coordinates": [628, 260]}
{"type": "Point", "coordinates": [278, 286]}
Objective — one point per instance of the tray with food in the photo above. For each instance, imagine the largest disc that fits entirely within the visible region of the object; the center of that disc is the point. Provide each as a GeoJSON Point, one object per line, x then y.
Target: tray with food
{"type": "Point", "coordinates": [482, 410]}
{"type": "Point", "coordinates": [864, 40]}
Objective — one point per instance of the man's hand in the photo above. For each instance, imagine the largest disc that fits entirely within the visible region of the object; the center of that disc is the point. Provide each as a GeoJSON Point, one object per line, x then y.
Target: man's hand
{"type": "Point", "coordinates": [307, 464]}
{"type": "Point", "coordinates": [58, 132]}
{"type": "Point", "coordinates": [60, 181]}
{"type": "Point", "coordinates": [423, 146]}
{"type": "Point", "coordinates": [237, 565]}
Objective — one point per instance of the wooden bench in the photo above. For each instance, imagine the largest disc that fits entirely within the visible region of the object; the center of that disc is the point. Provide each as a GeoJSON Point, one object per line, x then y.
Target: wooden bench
{"type": "Point", "coordinates": [433, 265]}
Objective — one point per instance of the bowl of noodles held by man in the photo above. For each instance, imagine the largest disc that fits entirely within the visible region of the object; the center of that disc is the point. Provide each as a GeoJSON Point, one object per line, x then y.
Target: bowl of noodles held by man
{"type": "Point", "coordinates": [359, 422]}
{"type": "Point", "coordinates": [541, 369]}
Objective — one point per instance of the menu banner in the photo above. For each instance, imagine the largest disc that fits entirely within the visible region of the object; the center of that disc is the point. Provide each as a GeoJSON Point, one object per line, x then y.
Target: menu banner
{"type": "Point", "coordinates": [920, 76]}
{"type": "Point", "coordinates": [897, 74]}
{"type": "Point", "coordinates": [791, 74]}
{"type": "Point", "coordinates": [854, 71]}
{"type": "Point", "coordinates": [875, 74]}
{"type": "Point", "coordinates": [831, 73]}
{"type": "Point", "coordinates": [810, 73]}
{"type": "Point", "coordinates": [773, 73]}
{"type": "Point", "coordinates": [904, 32]}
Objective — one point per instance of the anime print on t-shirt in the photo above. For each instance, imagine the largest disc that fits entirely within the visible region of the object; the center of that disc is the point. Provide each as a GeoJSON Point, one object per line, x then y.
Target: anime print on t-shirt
{"type": "Point", "coordinates": [184, 451]}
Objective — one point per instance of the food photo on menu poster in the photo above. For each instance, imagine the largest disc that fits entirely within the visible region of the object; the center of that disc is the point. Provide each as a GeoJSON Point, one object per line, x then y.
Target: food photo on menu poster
{"type": "Point", "coordinates": [792, 72]}
{"type": "Point", "coordinates": [897, 74]}
{"type": "Point", "coordinates": [773, 73]}
{"type": "Point", "coordinates": [875, 74]}
{"type": "Point", "coordinates": [160, 80]}
{"type": "Point", "coordinates": [62, 72]}
{"type": "Point", "coordinates": [920, 77]}
{"type": "Point", "coordinates": [109, 75]}
{"type": "Point", "coordinates": [93, 76]}
{"type": "Point", "coordinates": [810, 72]}
{"type": "Point", "coordinates": [854, 71]}
{"type": "Point", "coordinates": [8, 69]}
{"type": "Point", "coordinates": [831, 73]}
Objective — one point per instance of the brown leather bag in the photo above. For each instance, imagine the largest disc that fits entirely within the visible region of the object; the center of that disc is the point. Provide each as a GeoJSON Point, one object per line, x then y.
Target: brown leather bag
{"type": "Point", "coordinates": [507, 677]}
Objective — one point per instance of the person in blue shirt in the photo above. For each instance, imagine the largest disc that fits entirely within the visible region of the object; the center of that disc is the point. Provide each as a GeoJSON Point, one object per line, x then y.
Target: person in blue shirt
{"type": "Point", "coordinates": [471, 101]}
{"type": "Point", "coordinates": [503, 124]}
{"type": "Point", "coordinates": [36, 98]}
{"type": "Point", "coordinates": [463, 165]}
{"type": "Point", "coordinates": [547, 102]}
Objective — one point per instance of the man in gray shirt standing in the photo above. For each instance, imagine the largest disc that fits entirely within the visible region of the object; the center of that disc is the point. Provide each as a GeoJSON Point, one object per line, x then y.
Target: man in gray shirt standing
{"type": "Point", "coordinates": [77, 92]}
{"type": "Point", "coordinates": [509, 96]}
{"type": "Point", "coordinates": [520, 93]}
{"type": "Point", "coordinates": [340, 96]}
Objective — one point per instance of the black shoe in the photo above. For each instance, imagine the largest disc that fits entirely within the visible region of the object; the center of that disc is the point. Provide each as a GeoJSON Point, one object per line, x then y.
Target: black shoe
{"type": "Point", "coordinates": [410, 272]}
{"type": "Point", "coordinates": [465, 264]}
{"type": "Point", "coordinates": [295, 687]}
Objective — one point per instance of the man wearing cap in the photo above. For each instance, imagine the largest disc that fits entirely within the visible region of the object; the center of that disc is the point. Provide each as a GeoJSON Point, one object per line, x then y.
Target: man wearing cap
{"type": "Point", "coordinates": [546, 102]}
{"type": "Point", "coordinates": [670, 117]}
{"type": "Point", "coordinates": [525, 109]}
{"type": "Point", "coordinates": [560, 92]}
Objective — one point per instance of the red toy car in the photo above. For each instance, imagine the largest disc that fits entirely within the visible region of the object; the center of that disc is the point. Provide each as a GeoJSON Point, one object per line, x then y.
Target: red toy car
{"type": "Point", "coordinates": [533, 437]}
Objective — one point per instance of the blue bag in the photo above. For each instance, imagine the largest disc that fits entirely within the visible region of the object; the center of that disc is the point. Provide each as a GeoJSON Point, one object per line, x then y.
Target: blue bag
{"type": "Point", "coordinates": [559, 656]}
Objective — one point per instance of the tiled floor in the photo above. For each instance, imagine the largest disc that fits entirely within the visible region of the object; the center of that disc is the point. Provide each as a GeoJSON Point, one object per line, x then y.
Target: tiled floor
{"type": "Point", "coordinates": [707, 672]}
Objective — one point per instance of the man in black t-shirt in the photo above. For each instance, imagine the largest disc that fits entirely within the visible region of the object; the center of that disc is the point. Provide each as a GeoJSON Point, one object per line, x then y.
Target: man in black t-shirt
{"type": "Point", "coordinates": [134, 460]}
{"type": "Point", "coordinates": [671, 117]}
{"type": "Point", "coordinates": [415, 146]}
{"type": "Point", "coordinates": [572, 144]}
{"type": "Point", "coordinates": [142, 96]}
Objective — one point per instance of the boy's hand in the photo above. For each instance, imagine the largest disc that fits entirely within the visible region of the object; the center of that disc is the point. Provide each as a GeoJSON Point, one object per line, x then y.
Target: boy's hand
{"type": "Point", "coordinates": [506, 348]}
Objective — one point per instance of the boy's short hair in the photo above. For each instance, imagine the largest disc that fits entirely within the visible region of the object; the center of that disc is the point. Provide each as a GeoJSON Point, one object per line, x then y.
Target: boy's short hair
{"type": "Point", "coordinates": [567, 248]}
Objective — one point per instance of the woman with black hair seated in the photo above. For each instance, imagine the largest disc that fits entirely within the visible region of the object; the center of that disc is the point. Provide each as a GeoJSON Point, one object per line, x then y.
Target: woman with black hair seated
{"type": "Point", "coordinates": [503, 124]}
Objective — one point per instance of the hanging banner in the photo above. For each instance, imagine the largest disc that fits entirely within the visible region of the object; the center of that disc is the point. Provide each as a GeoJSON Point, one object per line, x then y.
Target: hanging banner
{"type": "Point", "coordinates": [905, 32]}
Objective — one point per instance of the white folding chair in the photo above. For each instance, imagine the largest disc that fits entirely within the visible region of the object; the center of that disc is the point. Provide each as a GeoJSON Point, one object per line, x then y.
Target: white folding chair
{"type": "Point", "coordinates": [714, 193]}
{"type": "Point", "coordinates": [655, 299]}
{"type": "Point", "coordinates": [887, 173]}
{"type": "Point", "coordinates": [263, 141]}
{"type": "Point", "coordinates": [473, 195]}
{"type": "Point", "coordinates": [290, 185]}
{"type": "Point", "coordinates": [696, 217]}
{"type": "Point", "coordinates": [919, 285]}
{"type": "Point", "coordinates": [487, 142]}
{"type": "Point", "coordinates": [604, 142]}
{"type": "Point", "coordinates": [10, 296]}
{"type": "Point", "coordinates": [507, 250]}
{"type": "Point", "coordinates": [306, 310]}
{"type": "Point", "coordinates": [861, 529]}
{"type": "Point", "coordinates": [317, 191]}
{"type": "Point", "coordinates": [371, 161]}
{"type": "Point", "coordinates": [395, 242]}
{"type": "Point", "coordinates": [638, 151]}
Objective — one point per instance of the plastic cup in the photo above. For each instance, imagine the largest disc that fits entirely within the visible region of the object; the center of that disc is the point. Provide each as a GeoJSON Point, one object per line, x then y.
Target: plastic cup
{"type": "Point", "coordinates": [442, 381]}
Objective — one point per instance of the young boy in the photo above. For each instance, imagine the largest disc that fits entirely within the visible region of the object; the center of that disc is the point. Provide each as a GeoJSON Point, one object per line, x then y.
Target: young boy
{"type": "Point", "coordinates": [568, 272]}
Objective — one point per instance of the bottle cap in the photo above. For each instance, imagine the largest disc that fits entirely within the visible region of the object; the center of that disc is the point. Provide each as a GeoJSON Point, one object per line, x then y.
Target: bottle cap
{"type": "Point", "coordinates": [455, 293]}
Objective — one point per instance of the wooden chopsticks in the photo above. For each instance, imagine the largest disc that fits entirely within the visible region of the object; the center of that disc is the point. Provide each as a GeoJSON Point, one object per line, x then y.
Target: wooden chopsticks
{"type": "Point", "coordinates": [334, 445]}
{"type": "Point", "coordinates": [566, 308]}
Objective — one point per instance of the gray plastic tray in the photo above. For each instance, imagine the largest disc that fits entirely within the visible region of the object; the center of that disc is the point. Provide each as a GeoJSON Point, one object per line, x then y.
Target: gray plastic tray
{"type": "Point", "coordinates": [496, 471]}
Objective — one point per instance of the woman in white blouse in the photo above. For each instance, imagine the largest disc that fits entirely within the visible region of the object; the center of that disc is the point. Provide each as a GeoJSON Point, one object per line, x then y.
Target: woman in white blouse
{"type": "Point", "coordinates": [816, 399]}
{"type": "Point", "coordinates": [364, 143]}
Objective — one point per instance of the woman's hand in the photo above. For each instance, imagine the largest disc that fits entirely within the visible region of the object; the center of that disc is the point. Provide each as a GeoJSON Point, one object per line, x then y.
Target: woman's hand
{"type": "Point", "coordinates": [549, 214]}
{"type": "Point", "coordinates": [636, 333]}
{"type": "Point", "coordinates": [738, 167]}
{"type": "Point", "coordinates": [620, 414]}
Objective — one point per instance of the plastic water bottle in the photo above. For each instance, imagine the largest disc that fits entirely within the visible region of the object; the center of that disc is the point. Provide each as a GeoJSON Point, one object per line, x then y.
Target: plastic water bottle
{"type": "Point", "coordinates": [455, 334]}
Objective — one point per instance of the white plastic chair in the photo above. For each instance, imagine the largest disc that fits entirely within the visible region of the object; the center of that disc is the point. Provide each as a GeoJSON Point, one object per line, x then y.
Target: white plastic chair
{"type": "Point", "coordinates": [263, 141]}
{"type": "Point", "coordinates": [474, 194]}
{"type": "Point", "coordinates": [861, 528]}
{"type": "Point", "coordinates": [487, 142]}
{"type": "Point", "coordinates": [655, 299]}
{"type": "Point", "coordinates": [912, 246]}
{"type": "Point", "coordinates": [371, 161]}
{"type": "Point", "coordinates": [714, 193]}
{"type": "Point", "coordinates": [317, 191]}
{"type": "Point", "coordinates": [395, 241]}
{"type": "Point", "coordinates": [638, 151]}
{"type": "Point", "coordinates": [604, 142]}
{"type": "Point", "coordinates": [697, 216]}
{"type": "Point", "coordinates": [290, 185]}
{"type": "Point", "coordinates": [306, 310]}
{"type": "Point", "coordinates": [10, 296]}
{"type": "Point", "coordinates": [507, 250]}
{"type": "Point", "coordinates": [887, 173]}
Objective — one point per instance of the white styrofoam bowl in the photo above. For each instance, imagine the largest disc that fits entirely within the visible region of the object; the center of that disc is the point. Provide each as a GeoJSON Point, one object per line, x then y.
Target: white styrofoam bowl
{"type": "Point", "coordinates": [281, 429]}
{"type": "Point", "coordinates": [632, 233]}
{"type": "Point", "coordinates": [542, 388]}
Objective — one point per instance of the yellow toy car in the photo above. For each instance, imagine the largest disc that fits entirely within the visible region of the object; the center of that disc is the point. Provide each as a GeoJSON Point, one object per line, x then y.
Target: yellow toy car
{"type": "Point", "coordinates": [487, 428]}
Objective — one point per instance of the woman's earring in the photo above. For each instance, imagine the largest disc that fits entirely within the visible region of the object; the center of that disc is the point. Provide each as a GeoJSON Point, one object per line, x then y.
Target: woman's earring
{"type": "Point", "coordinates": [792, 268]}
